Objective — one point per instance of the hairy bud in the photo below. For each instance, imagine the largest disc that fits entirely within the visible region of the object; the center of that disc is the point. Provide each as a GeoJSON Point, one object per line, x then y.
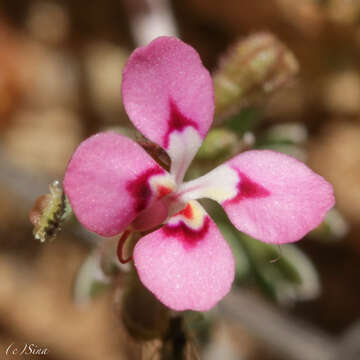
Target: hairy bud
{"type": "Point", "coordinates": [49, 212]}
{"type": "Point", "coordinates": [254, 66]}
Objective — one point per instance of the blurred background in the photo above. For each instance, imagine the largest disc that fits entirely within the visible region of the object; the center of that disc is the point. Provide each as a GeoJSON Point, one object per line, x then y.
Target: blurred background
{"type": "Point", "coordinates": [294, 74]}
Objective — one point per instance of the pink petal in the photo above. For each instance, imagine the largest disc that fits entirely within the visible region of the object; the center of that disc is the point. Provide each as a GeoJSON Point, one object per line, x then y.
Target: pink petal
{"type": "Point", "coordinates": [110, 179]}
{"type": "Point", "coordinates": [168, 95]}
{"type": "Point", "coordinates": [187, 263]}
{"type": "Point", "coordinates": [268, 195]}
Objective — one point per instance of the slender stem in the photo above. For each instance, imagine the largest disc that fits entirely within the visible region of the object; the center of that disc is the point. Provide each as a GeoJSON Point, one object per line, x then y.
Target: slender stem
{"type": "Point", "coordinates": [175, 340]}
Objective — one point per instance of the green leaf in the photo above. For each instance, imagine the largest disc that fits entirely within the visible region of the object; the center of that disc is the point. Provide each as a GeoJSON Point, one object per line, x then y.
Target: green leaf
{"type": "Point", "coordinates": [333, 228]}
{"type": "Point", "coordinates": [242, 266]}
{"type": "Point", "coordinates": [286, 270]}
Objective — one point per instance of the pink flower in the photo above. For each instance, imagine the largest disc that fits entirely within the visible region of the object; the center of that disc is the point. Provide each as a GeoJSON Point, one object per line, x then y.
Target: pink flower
{"type": "Point", "coordinates": [114, 185]}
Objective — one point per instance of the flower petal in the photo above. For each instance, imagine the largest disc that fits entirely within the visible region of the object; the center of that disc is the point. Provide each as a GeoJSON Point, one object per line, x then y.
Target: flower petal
{"type": "Point", "coordinates": [168, 95]}
{"type": "Point", "coordinates": [268, 195]}
{"type": "Point", "coordinates": [187, 263]}
{"type": "Point", "coordinates": [109, 180]}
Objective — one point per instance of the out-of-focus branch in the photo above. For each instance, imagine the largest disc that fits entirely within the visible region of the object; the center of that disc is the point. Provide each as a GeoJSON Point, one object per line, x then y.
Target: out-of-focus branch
{"type": "Point", "coordinates": [150, 19]}
{"type": "Point", "coordinates": [291, 339]}
{"type": "Point", "coordinates": [349, 347]}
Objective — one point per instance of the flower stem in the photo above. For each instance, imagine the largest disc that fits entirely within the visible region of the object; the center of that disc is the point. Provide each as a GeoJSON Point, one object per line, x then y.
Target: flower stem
{"type": "Point", "coordinates": [175, 341]}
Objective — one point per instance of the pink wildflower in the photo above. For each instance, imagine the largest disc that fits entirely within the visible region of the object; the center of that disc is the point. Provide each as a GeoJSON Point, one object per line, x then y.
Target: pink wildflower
{"type": "Point", "coordinates": [115, 186]}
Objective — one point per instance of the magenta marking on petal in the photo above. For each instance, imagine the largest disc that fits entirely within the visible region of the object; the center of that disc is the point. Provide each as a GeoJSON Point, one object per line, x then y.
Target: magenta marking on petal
{"type": "Point", "coordinates": [188, 236]}
{"type": "Point", "coordinates": [177, 122]}
{"type": "Point", "coordinates": [248, 189]}
{"type": "Point", "coordinates": [140, 188]}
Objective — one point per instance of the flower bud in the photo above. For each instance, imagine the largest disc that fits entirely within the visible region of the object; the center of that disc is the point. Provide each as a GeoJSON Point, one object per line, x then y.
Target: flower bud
{"type": "Point", "coordinates": [256, 65]}
{"type": "Point", "coordinates": [49, 212]}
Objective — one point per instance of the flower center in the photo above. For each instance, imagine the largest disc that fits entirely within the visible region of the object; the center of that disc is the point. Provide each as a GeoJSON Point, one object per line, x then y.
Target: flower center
{"type": "Point", "coordinates": [150, 191]}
